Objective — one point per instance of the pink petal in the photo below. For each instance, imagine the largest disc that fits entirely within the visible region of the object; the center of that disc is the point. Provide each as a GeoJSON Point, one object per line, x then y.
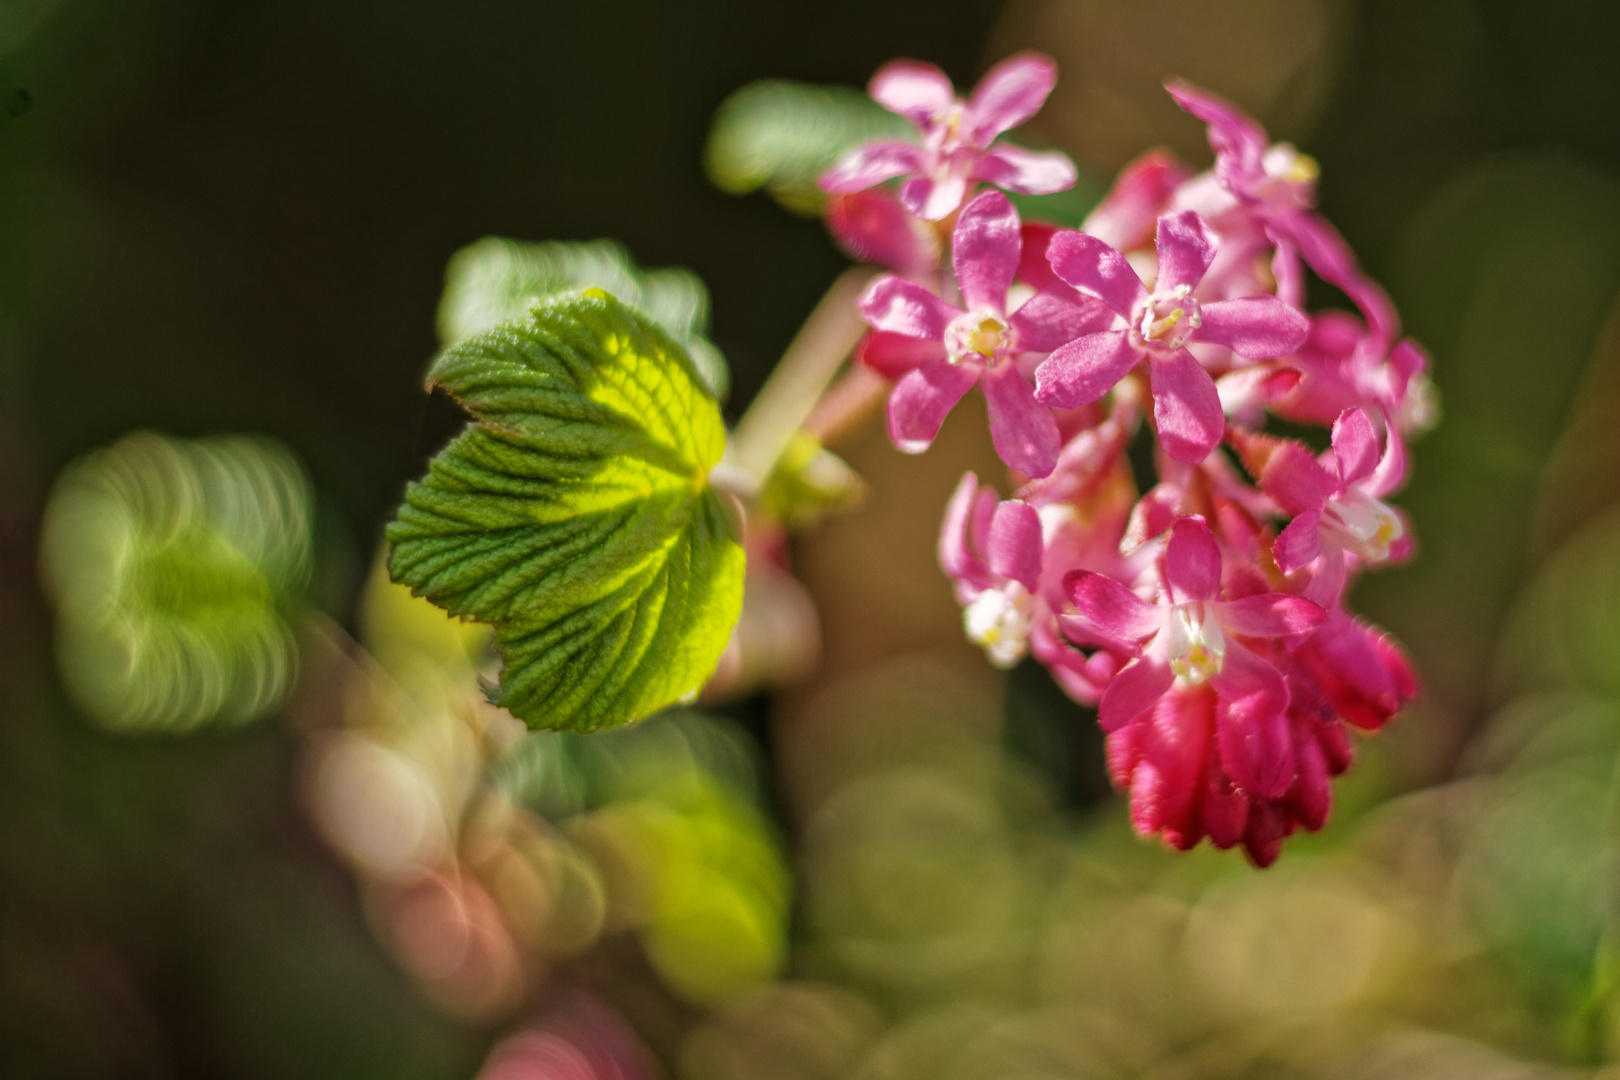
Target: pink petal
{"type": "Point", "coordinates": [1186, 406]}
{"type": "Point", "coordinates": [893, 355]}
{"type": "Point", "coordinates": [1152, 514]}
{"type": "Point", "coordinates": [1009, 94]}
{"type": "Point", "coordinates": [1270, 615]}
{"type": "Point", "coordinates": [1110, 609]}
{"type": "Point", "coordinates": [1255, 385]}
{"type": "Point", "coordinates": [904, 307]}
{"type": "Point", "coordinates": [1299, 544]}
{"type": "Point", "coordinates": [984, 250]}
{"type": "Point", "coordinates": [1093, 267]}
{"type": "Point", "coordinates": [1136, 689]}
{"type": "Point", "coordinates": [921, 401]}
{"type": "Point", "coordinates": [1085, 369]}
{"type": "Point", "coordinates": [1033, 269]}
{"type": "Point", "coordinates": [1056, 316]}
{"type": "Point", "coordinates": [933, 199]}
{"type": "Point", "coordinates": [1232, 134]}
{"type": "Point", "coordinates": [1015, 543]}
{"type": "Point", "coordinates": [1126, 217]}
{"type": "Point", "coordinates": [1024, 431]}
{"type": "Point", "coordinates": [1296, 481]}
{"type": "Point", "coordinates": [1327, 253]}
{"type": "Point", "coordinates": [1186, 248]}
{"type": "Point", "coordinates": [1252, 729]}
{"type": "Point", "coordinates": [919, 92]}
{"type": "Point", "coordinates": [1355, 445]}
{"type": "Point", "coordinates": [1391, 471]}
{"type": "Point", "coordinates": [1254, 327]}
{"type": "Point", "coordinates": [870, 165]}
{"type": "Point", "coordinates": [956, 555]}
{"type": "Point", "coordinates": [1028, 172]}
{"type": "Point", "coordinates": [1192, 561]}
{"type": "Point", "coordinates": [1361, 673]}
{"type": "Point", "coordinates": [873, 227]}
{"type": "Point", "coordinates": [1328, 576]}
{"type": "Point", "coordinates": [1268, 827]}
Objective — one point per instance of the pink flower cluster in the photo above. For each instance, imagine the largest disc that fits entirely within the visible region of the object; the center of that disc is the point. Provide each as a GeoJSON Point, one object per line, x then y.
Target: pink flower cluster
{"type": "Point", "coordinates": [1204, 618]}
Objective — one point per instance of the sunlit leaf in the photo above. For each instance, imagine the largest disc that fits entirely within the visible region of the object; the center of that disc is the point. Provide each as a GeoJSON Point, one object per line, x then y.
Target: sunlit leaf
{"type": "Point", "coordinates": [495, 280]}
{"type": "Point", "coordinates": [575, 514]}
{"type": "Point", "coordinates": [173, 564]}
{"type": "Point", "coordinates": [781, 136]}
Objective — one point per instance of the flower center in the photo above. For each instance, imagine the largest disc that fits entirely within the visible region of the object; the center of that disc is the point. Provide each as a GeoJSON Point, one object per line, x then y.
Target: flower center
{"type": "Point", "coordinates": [1168, 318]}
{"type": "Point", "coordinates": [981, 332]}
{"type": "Point", "coordinates": [1195, 644]}
{"type": "Point", "coordinates": [1290, 173]}
{"type": "Point", "coordinates": [1362, 524]}
{"type": "Point", "coordinates": [999, 620]}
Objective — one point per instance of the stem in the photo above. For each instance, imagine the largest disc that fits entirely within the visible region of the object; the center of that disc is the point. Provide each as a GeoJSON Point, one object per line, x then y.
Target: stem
{"type": "Point", "coordinates": [805, 371]}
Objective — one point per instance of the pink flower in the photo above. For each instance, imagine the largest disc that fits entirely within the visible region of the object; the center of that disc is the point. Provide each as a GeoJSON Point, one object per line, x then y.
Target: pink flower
{"type": "Point", "coordinates": [1156, 326]}
{"type": "Point", "coordinates": [1341, 367]}
{"type": "Point", "coordinates": [1191, 637]}
{"type": "Point", "coordinates": [992, 550]}
{"type": "Point", "coordinates": [873, 227]}
{"type": "Point", "coordinates": [1276, 184]}
{"type": "Point", "coordinates": [956, 149]}
{"type": "Point", "coordinates": [1337, 503]}
{"type": "Point", "coordinates": [938, 351]}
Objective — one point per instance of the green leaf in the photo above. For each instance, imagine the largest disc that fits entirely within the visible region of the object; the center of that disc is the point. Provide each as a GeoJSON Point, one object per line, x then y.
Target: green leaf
{"type": "Point", "coordinates": [575, 514]}
{"type": "Point", "coordinates": [781, 136]}
{"type": "Point", "coordinates": [495, 280]}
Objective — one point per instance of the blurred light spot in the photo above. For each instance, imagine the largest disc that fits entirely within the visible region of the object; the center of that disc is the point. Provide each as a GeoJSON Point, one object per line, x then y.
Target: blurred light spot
{"type": "Point", "coordinates": [175, 566]}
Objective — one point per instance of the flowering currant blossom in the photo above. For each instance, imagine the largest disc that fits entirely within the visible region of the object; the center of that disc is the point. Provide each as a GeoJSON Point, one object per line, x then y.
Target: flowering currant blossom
{"type": "Point", "coordinates": [1156, 326]}
{"type": "Point", "coordinates": [1336, 503]}
{"type": "Point", "coordinates": [957, 137]}
{"type": "Point", "coordinates": [1204, 618]}
{"type": "Point", "coordinates": [938, 351]}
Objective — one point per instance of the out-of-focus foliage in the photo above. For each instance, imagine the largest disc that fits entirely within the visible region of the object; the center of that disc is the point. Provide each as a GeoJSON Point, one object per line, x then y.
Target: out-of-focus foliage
{"type": "Point", "coordinates": [175, 566]}
{"type": "Point", "coordinates": [529, 848]}
{"type": "Point", "coordinates": [495, 281]}
{"type": "Point", "coordinates": [781, 136]}
{"type": "Point", "coordinates": [807, 482]}
{"type": "Point", "coordinates": [575, 514]}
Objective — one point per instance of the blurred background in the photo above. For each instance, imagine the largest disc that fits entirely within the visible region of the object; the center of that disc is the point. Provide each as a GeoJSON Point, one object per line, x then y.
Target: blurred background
{"type": "Point", "coordinates": [302, 846]}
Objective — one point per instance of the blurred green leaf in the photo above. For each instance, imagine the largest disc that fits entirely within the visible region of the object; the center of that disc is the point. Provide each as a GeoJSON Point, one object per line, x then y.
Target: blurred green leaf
{"type": "Point", "coordinates": [495, 280]}
{"type": "Point", "coordinates": [172, 564]}
{"type": "Point", "coordinates": [808, 482]}
{"type": "Point", "coordinates": [575, 515]}
{"type": "Point", "coordinates": [781, 136]}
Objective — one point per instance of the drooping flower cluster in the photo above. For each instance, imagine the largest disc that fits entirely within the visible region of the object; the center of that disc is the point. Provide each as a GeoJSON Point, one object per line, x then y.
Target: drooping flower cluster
{"type": "Point", "coordinates": [1203, 617]}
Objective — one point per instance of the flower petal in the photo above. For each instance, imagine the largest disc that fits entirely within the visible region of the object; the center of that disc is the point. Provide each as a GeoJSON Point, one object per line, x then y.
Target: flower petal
{"type": "Point", "coordinates": [1270, 615]}
{"type": "Point", "coordinates": [1093, 267]}
{"type": "Point", "coordinates": [1033, 269]}
{"type": "Point", "coordinates": [1010, 93]}
{"type": "Point", "coordinates": [1136, 689]}
{"type": "Point", "coordinates": [917, 91]}
{"type": "Point", "coordinates": [1254, 327]}
{"type": "Point", "coordinates": [1024, 431]}
{"type": "Point", "coordinates": [933, 198]}
{"type": "Point", "coordinates": [1251, 724]}
{"type": "Point", "coordinates": [1239, 143]}
{"type": "Point", "coordinates": [870, 165]}
{"type": "Point", "coordinates": [1186, 248]}
{"type": "Point", "coordinates": [1326, 252]}
{"type": "Point", "coordinates": [873, 227]}
{"type": "Point", "coordinates": [1015, 543]}
{"type": "Point", "coordinates": [904, 307]}
{"type": "Point", "coordinates": [1109, 608]}
{"type": "Point", "coordinates": [1028, 172]}
{"type": "Point", "coordinates": [1295, 480]}
{"type": "Point", "coordinates": [1056, 316]}
{"type": "Point", "coordinates": [893, 355]}
{"type": "Point", "coordinates": [1085, 369]}
{"type": "Point", "coordinates": [1299, 544]}
{"type": "Point", "coordinates": [1186, 406]}
{"type": "Point", "coordinates": [1311, 797]}
{"type": "Point", "coordinates": [956, 555]}
{"type": "Point", "coordinates": [1355, 446]}
{"type": "Point", "coordinates": [1192, 561]}
{"type": "Point", "coordinates": [1175, 747]}
{"type": "Point", "coordinates": [921, 401]}
{"type": "Point", "coordinates": [984, 250]}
